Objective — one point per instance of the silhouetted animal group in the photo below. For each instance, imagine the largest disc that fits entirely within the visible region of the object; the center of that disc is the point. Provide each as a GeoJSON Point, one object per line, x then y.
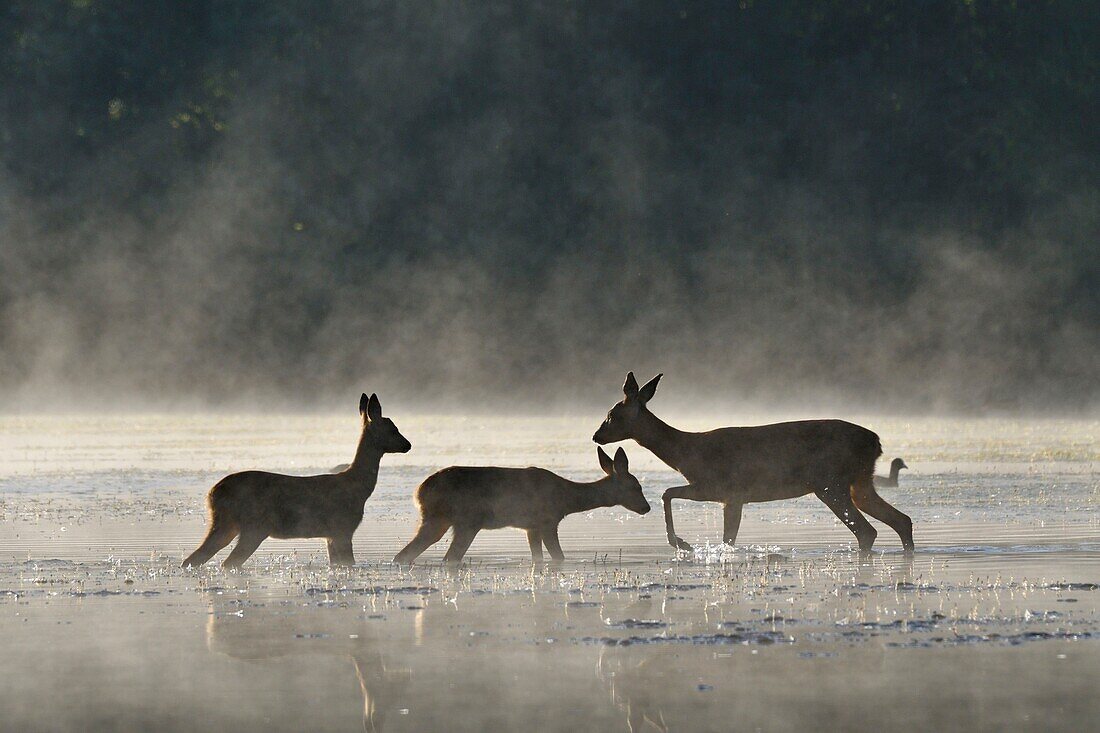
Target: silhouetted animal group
{"type": "Point", "coordinates": [833, 459]}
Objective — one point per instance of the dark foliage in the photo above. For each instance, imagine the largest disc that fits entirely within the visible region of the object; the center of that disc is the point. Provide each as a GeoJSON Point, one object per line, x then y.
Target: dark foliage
{"type": "Point", "coordinates": [889, 202]}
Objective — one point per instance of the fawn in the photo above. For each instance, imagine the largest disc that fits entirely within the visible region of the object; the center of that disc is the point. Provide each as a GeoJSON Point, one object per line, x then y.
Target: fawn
{"type": "Point", "coordinates": [471, 499]}
{"type": "Point", "coordinates": [830, 458]}
{"type": "Point", "coordinates": [257, 505]}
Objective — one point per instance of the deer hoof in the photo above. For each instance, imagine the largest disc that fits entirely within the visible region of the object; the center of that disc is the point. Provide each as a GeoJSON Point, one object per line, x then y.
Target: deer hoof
{"type": "Point", "coordinates": [679, 544]}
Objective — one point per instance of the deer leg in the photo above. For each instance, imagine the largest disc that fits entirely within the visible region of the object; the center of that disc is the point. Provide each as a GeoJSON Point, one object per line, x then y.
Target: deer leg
{"type": "Point", "coordinates": [218, 537]}
{"type": "Point", "coordinates": [731, 515]}
{"type": "Point", "coordinates": [837, 496]}
{"type": "Point", "coordinates": [463, 538]}
{"type": "Point", "coordinates": [340, 551]}
{"type": "Point", "coordinates": [534, 540]}
{"type": "Point", "coordinates": [868, 500]}
{"type": "Point", "coordinates": [428, 534]}
{"type": "Point", "coordinates": [247, 544]}
{"type": "Point", "coordinates": [691, 492]}
{"type": "Point", "coordinates": [553, 546]}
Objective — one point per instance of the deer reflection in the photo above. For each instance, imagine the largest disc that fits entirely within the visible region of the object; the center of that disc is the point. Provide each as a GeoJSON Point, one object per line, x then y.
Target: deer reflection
{"type": "Point", "coordinates": [629, 682]}
{"type": "Point", "coordinates": [439, 652]}
{"type": "Point", "coordinates": [273, 631]}
{"type": "Point", "coordinates": [628, 676]}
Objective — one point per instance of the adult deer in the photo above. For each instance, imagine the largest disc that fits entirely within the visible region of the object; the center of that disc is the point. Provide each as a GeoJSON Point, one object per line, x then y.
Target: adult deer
{"type": "Point", "coordinates": [471, 499]}
{"type": "Point", "coordinates": [832, 459]}
{"type": "Point", "coordinates": [257, 505]}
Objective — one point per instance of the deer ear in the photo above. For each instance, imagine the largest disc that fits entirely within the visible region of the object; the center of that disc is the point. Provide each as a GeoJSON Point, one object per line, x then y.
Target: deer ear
{"type": "Point", "coordinates": [363, 404]}
{"type": "Point", "coordinates": [374, 408]}
{"type": "Point", "coordinates": [622, 466]}
{"type": "Point", "coordinates": [630, 386]}
{"type": "Point", "coordinates": [605, 461]}
{"type": "Point", "coordinates": [645, 394]}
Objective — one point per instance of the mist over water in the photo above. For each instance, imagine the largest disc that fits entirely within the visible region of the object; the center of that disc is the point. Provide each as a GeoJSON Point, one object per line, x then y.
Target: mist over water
{"type": "Point", "coordinates": [510, 204]}
{"type": "Point", "coordinates": [221, 222]}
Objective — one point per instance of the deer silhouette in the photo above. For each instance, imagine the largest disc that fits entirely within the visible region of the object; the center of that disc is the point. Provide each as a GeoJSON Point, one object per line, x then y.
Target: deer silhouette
{"type": "Point", "coordinates": [833, 459]}
{"type": "Point", "coordinates": [471, 499]}
{"type": "Point", "coordinates": [257, 505]}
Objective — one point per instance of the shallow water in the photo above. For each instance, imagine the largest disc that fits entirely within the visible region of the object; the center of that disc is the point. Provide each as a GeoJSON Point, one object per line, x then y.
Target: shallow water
{"type": "Point", "coordinates": [993, 624]}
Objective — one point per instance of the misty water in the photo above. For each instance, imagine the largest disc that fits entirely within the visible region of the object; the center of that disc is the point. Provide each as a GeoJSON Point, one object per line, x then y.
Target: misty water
{"type": "Point", "coordinates": [994, 622]}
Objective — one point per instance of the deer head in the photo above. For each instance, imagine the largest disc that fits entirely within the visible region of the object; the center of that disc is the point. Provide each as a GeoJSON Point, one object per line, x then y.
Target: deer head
{"type": "Point", "coordinates": [380, 432]}
{"type": "Point", "coordinates": [623, 488]}
{"type": "Point", "coordinates": [623, 417]}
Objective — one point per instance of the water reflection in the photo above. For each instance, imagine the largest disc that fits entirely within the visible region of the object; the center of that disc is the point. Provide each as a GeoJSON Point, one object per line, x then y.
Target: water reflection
{"type": "Point", "coordinates": [693, 646]}
{"type": "Point", "coordinates": [629, 678]}
{"type": "Point", "coordinates": [420, 652]}
{"type": "Point", "coordinates": [265, 632]}
{"type": "Point", "coordinates": [419, 657]}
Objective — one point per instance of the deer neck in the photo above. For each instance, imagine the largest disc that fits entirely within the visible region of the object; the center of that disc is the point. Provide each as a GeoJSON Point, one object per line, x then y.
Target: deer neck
{"type": "Point", "coordinates": [364, 467]}
{"type": "Point", "coordinates": [660, 439]}
{"type": "Point", "coordinates": [588, 496]}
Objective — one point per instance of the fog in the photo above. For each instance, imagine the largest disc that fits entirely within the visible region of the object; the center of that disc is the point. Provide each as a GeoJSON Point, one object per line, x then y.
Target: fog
{"type": "Point", "coordinates": [508, 205]}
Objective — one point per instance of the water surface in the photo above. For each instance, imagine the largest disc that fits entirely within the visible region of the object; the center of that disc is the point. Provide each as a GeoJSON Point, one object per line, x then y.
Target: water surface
{"type": "Point", "coordinates": [994, 623]}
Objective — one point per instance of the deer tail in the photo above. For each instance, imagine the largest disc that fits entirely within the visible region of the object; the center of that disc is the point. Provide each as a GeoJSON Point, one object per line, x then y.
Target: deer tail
{"type": "Point", "coordinates": [869, 455]}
